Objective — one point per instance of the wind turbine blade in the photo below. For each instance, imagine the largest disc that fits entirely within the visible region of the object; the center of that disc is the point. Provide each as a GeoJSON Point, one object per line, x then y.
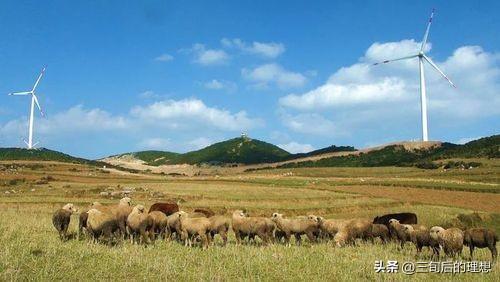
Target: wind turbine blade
{"type": "Point", "coordinates": [393, 60]}
{"type": "Point", "coordinates": [424, 41]}
{"type": "Point", "coordinates": [438, 70]}
{"type": "Point", "coordinates": [20, 93]}
{"type": "Point", "coordinates": [37, 104]}
{"type": "Point", "coordinates": [38, 80]}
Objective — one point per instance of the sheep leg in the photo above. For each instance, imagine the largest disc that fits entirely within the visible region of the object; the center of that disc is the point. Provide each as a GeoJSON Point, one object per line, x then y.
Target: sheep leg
{"type": "Point", "coordinates": [287, 238]}
{"type": "Point", "coordinates": [264, 237]}
{"type": "Point", "coordinates": [223, 235]}
{"type": "Point", "coordinates": [493, 250]}
{"type": "Point", "coordinates": [237, 234]}
{"type": "Point", "coordinates": [471, 248]}
{"type": "Point", "coordinates": [311, 237]}
{"type": "Point", "coordinates": [298, 239]}
{"type": "Point", "coordinates": [204, 240]}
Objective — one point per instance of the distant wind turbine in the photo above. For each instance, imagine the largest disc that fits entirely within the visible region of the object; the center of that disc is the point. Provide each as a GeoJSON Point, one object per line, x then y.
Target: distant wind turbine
{"type": "Point", "coordinates": [421, 58]}
{"type": "Point", "coordinates": [34, 100]}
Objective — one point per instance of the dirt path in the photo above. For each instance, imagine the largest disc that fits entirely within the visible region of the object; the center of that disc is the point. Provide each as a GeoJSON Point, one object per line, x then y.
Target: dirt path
{"type": "Point", "coordinates": [487, 202]}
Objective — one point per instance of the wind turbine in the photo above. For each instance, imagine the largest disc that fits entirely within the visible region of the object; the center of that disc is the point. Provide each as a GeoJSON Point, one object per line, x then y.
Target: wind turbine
{"type": "Point", "coordinates": [421, 58]}
{"type": "Point", "coordinates": [34, 100]}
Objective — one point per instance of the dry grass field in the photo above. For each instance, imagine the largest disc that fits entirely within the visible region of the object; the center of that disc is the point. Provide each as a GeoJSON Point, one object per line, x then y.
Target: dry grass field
{"type": "Point", "coordinates": [31, 250]}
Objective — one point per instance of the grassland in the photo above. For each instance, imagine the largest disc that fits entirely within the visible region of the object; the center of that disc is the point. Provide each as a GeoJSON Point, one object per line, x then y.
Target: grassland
{"type": "Point", "coordinates": [31, 250]}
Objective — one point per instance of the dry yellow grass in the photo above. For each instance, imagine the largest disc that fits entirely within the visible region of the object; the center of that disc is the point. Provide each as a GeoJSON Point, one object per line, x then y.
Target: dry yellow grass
{"type": "Point", "coordinates": [30, 249]}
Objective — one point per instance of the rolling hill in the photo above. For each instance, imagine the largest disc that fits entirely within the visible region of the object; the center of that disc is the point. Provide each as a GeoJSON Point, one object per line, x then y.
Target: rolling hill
{"type": "Point", "coordinates": [248, 151]}
{"type": "Point", "coordinates": [42, 154]}
{"type": "Point", "coordinates": [401, 155]}
{"type": "Point", "coordinates": [241, 150]}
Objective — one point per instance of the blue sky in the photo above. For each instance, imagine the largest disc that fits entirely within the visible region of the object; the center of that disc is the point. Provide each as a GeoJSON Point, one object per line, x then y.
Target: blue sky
{"type": "Point", "coordinates": [180, 75]}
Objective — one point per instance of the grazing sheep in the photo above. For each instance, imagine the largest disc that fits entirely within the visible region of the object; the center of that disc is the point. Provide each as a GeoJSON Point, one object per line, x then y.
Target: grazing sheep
{"type": "Point", "coordinates": [173, 226]}
{"type": "Point", "coordinates": [139, 225]}
{"type": "Point", "coordinates": [330, 227]}
{"type": "Point", "coordinates": [219, 225]}
{"type": "Point", "coordinates": [451, 240]}
{"type": "Point", "coordinates": [101, 224]}
{"type": "Point", "coordinates": [159, 220]}
{"type": "Point", "coordinates": [120, 211]}
{"type": "Point", "coordinates": [244, 225]}
{"type": "Point", "coordinates": [401, 232]}
{"type": "Point", "coordinates": [352, 230]}
{"type": "Point", "coordinates": [422, 238]}
{"type": "Point", "coordinates": [380, 231]}
{"type": "Point", "coordinates": [403, 218]}
{"type": "Point", "coordinates": [191, 227]}
{"type": "Point", "coordinates": [61, 219]}
{"type": "Point", "coordinates": [207, 212]}
{"type": "Point", "coordinates": [82, 222]}
{"type": "Point", "coordinates": [297, 227]}
{"type": "Point", "coordinates": [166, 208]}
{"type": "Point", "coordinates": [481, 238]}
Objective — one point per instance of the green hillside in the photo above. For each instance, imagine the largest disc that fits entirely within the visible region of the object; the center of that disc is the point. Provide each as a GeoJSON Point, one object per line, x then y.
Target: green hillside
{"type": "Point", "coordinates": [238, 150]}
{"type": "Point", "coordinates": [41, 154]}
{"type": "Point", "coordinates": [397, 155]}
{"type": "Point", "coordinates": [487, 147]}
{"type": "Point", "coordinates": [329, 149]}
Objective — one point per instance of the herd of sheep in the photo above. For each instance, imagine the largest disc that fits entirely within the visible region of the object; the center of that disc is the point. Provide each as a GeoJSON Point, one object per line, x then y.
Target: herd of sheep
{"type": "Point", "coordinates": [165, 220]}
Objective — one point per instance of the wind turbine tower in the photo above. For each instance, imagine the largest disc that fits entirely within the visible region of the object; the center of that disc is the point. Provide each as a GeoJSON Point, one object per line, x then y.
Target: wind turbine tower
{"type": "Point", "coordinates": [422, 58]}
{"type": "Point", "coordinates": [34, 100]}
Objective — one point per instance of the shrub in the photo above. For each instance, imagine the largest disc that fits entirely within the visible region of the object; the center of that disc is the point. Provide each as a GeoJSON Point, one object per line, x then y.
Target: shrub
{"type": "Point", "coordinates": [427, 165]}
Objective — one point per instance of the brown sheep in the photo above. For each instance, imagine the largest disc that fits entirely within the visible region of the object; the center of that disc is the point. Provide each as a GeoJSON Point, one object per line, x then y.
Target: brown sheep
{"type": "Point", "coordinates": [422, 238]}
{"type": "Point", "coordinates": [219, 225]}
{"type": "Point", "coordinates": [139, 225]}
{"type": "Point", "coordinates": [166, 208]}
{"type": "Point", "coordinates": [159, 223]}
{"type": "Point", "coordinates": [82, 222]}
{"type": "Point", "coordinates": [120, 211]}
{"type": "Point", "coordinates": [400, 231]}
{"type": "Point", "coordinates": [352, 230]}
{"type": "Point", "coordinates": [380, 231]}
{"type": "Point", "coordinates": [250, 226]}
{"type": "Point", "coordinates": [191, 227]}
{"type": "Point", "coordinates": [207, 212]}
{"type": "Point", "coordinates": [451, 240]}
{"type": "Point", "coordinates": [330, 227]}
{"type": "Point", "coordinates": [62, 218]}
{"type": "Point", "coordinates": [481, 238]}
{"type": "Point", "coordinates": [173, 226]}
{"type": "Point", "coordinates": [101, 224]}
{"type": "Point", "coordinates": [297, 227]}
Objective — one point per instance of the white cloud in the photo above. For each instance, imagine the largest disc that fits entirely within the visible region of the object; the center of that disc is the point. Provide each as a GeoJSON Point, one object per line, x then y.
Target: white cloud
{"type": "Point", "coordinates": [215, 84]}
{"type": "Point", "coordinates": [268, 50]}
{"type": "Point", "coordinates": [310, 123]}
{"type": "Point", "coordinates": [332, 95]}
{"type": "Point", "coordinates": [164, 58]}
{"type": "Point", "coordinates": [154, 144]}
{"type": "Point", "coordinates": [208, 57]}
{"type": "Point", "coordinates": [178, 114]}
{"type": "Point", "coordinates": [395, 85]}
{"type": "Point", "coordinates": [294, 147]}
{"type": "Point", "coordinates": [74, 119]}
{"type": "Point", "coordinates": [274, 73]}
